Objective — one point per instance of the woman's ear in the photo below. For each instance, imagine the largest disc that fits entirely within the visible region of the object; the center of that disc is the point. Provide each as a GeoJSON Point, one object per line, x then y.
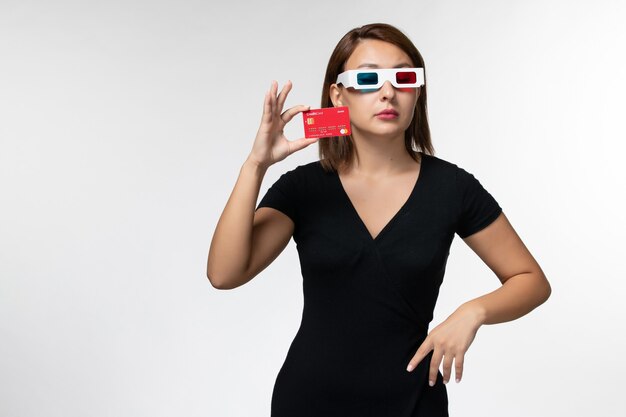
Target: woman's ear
{"type": "Point", "coordinates": [335, 95]}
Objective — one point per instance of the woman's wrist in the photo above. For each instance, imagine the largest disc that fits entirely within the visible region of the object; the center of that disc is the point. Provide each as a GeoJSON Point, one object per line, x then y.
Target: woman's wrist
{"type": "Point", "coordinates": [476, 310]}
{"type": "Point", "coordinates": [255, 166]}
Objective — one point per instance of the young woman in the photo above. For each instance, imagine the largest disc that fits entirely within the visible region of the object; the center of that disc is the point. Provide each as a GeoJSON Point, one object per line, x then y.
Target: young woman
{"type": "Point", "coordinates": [373, 220]}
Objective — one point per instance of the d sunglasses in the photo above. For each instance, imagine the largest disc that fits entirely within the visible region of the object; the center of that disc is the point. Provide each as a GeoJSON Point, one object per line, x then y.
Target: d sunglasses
{"type": "Point", "coordinates": [371, 79]}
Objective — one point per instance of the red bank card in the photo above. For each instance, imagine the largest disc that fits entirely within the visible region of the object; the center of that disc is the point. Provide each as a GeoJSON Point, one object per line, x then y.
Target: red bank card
{"type": "Point", "coordinates": [326, 122]}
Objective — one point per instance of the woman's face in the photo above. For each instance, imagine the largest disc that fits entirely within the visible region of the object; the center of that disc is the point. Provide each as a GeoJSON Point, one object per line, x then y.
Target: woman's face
{"type": "Point", "coordinates": [373, 53]}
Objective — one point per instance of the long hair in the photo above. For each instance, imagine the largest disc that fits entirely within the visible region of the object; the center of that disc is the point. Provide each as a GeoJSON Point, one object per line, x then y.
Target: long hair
{"type": "Point", "coordinates": [338, 151]}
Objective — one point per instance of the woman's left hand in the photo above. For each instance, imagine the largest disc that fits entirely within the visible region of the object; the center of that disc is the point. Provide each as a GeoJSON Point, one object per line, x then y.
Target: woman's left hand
{"type": "Point", "coordinates": [451, 338]}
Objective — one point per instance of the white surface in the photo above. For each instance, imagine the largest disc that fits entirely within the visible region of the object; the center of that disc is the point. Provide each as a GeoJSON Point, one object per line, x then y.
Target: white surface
{"type": "Point", "coordinates": [120, 142]}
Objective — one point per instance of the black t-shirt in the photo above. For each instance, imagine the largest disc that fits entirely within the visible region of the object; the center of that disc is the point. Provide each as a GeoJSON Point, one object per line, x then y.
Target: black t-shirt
{"type": "Point", "coordinates": [368, 301]}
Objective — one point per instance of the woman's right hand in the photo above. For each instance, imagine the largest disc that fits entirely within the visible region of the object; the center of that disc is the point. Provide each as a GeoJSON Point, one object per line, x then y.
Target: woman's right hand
{"type": "Point", "coordinates": [270, 144]}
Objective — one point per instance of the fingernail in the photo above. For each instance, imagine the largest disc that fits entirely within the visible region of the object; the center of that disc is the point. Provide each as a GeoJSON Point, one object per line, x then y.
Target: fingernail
{"type": "Point", "coordinates": [458, 380]}
{"type": "Point", "coordinates": [409, 368]}
{"type": "Point", "coordinates": [431, 383]}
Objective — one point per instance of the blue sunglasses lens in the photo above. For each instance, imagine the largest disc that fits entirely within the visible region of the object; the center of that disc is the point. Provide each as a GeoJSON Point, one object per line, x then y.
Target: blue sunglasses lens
{"type": "Point", "coordinates": [367, 78]}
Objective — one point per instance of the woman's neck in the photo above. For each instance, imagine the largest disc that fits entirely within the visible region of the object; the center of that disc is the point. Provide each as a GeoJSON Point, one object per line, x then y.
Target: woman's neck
{"type": "Point", "coordinates": [377, 157]}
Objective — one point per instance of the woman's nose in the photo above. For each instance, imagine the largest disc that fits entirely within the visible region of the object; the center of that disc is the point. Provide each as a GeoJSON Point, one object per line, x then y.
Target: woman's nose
{"type": "Point", "coordinates": [387, 90]}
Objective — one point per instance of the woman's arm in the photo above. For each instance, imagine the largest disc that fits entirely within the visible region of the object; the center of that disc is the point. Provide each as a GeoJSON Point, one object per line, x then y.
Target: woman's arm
{"type": "Point", "coordinates": [231, 243]}
{"type": "Point", "coordinates": [245, 242]}
{"type": "Point", "coordinates": [524, 285]}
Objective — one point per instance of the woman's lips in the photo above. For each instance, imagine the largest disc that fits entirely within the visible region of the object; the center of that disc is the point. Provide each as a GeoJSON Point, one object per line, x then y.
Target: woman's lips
{"type": "Point", "coordinates": [387, 116]}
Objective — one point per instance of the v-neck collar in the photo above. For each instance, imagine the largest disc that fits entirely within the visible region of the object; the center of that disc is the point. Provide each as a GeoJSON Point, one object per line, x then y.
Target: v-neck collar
{"type": "Point", "coordinates": [399, 212]}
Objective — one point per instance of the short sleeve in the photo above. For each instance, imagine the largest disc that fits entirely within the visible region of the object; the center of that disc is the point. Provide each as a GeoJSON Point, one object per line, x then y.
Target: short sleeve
{"type": "Point", "coordinates": [478, 208]}
{"type": "Point", "coordinates": [282, 196]}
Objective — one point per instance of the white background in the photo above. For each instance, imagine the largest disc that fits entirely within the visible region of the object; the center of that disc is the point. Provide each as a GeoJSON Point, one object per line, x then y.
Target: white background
{"type": "Point", "coordinates": [123, 127]}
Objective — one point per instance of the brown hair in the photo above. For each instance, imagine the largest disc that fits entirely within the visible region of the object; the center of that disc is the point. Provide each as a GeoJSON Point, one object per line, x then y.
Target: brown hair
{"type": "Point", "coordinates": [338, 151]}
